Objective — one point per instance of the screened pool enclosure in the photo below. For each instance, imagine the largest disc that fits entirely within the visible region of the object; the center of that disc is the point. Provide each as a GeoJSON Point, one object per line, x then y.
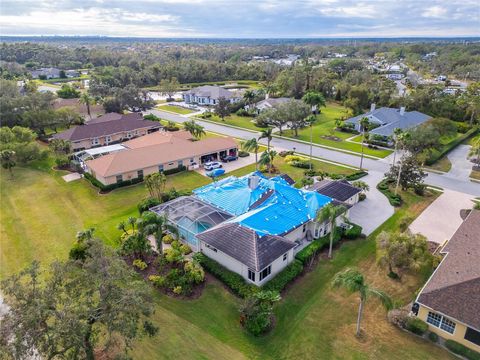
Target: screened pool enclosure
{"type": "Point", "coordinates": [191, 216]}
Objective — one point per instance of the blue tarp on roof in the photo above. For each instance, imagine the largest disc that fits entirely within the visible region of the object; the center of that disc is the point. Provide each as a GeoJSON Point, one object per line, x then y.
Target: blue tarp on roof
{"type": "Point", "coordinates": [283, 210]}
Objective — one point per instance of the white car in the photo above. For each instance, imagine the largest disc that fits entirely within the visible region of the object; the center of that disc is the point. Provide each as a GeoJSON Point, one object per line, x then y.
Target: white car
{"type": "Point", "coordinates": [212, 165]}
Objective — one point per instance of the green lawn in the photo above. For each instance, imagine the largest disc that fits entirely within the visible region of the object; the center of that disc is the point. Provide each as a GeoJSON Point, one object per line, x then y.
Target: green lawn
{"type": "Point", "coordinates": [176, 109]}
{"type": "Point", "coordinates": [443, 164]}
{"type": "Point", "coordinates": [235, 120]}
{"type": "Point", "coordinates": [40, 215]}
{"type": "Point", "coordinates": [323, 126]}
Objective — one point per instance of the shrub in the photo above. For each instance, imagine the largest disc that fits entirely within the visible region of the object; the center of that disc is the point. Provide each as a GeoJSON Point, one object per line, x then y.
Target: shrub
{"type": "Point", "coordinates": [175, 170]}
{"type": "Point", "coordinates": [395, 200]}
{"type": "Point", "coordinates": [258, 324]}
{"type": "Point", "coordinates": [185, 249]}
{"type": "Point", "coordinates": [110, 187]}
{"type": "Point", "coordinates": [420, 189]}
{"type": "Point", "coordinates": [242, 153]}
{"type": "Point", "coordinates": [450, 146]}
{"type": "Point", "coordinates": [416, 326]}
{"type": "Point", "coordinates": [310, 173]}
{"type": "Point", "coordinates": [356, 175]}
{"type": "Point", "coordinates": [306, 253]}
{"type": "Point", "coordinates": [177, 290]}
{"type": "Point", "coordinates": [281, 280]}
{"type": "Point", "coordinates": [157, 280]}
{"type": "Point", "coordinates": [243, 112]}
{"type": "Point", "coordinates": [433, 337]}
{"type": "Point", "coordinates": [235, 282]}
{"type": "Point", "coordinates": [405, 223]}
{"type": "Point", "coordinates": [300, 164]}
{"type": "Point", "coordinates": [79, 251]}
{"type": "Point", "coordinates": [285, 153]}
{"type": "Point", "coordinates": [62, 161]}
{"type": "Point", "coordinates": [291, 158]}
{"type": "Point", "coordinates": [462, 350]}
{"type": "Point", "coordinates": [463, 127]}
{"type": "Point", "coordinates": [306, 181]}
{"type": "Point", "coordinates": [139, 264]}
{"type": "Point", "coordinates": [194, 272]}
{"type": "Point", "coordinates": [362, 196]}
{"type": "Point", "coordinates": [354, 232]}
{"type": "Point", "coordinates": [151, 117]}
{"type": "Point", "coordinates": [146, 204]}
{"type": "Point", "coordinates": [167, 239]}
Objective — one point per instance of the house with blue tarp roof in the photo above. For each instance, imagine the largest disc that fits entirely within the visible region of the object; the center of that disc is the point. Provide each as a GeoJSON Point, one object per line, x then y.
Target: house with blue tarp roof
{"type": "Point", "coordinates": [252, 225]}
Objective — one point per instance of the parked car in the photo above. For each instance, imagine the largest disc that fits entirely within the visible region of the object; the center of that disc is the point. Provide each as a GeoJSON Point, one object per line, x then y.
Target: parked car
{"type": "Point", "coordinates": [212, 165]}
{"type": "Point", "coordinates": [215, 173]}
{"type": "Point", "coordinates": [229, 158]}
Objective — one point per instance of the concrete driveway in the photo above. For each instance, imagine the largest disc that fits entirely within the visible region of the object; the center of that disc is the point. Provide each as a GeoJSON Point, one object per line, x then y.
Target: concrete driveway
{"type": "Point", "coordinates": [442, 218]}
{"type": "Point", "coordinates": [375, 209]}
{"type": "Point", "coordinates": [233, 165]}
{"type": "Point", "coordinates": [461, 166]}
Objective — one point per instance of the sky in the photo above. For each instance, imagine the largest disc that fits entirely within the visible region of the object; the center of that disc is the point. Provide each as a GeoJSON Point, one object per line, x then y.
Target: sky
{"type": "Point", "coordinates": [242, 18]}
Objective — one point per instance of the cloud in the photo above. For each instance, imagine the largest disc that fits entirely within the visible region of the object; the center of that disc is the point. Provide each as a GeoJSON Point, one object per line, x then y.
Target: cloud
{"type": "Point", "coordinates": [241, 18]}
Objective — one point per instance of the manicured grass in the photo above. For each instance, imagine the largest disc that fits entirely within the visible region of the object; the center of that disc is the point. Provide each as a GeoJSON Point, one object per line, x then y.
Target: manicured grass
{"type": "Point", "coordinates": [245, 122]}
{"type": "Point", "coordinates": [176, 109]}
{"type": "Point", "coordinates": [475, 175]}
{"type": "Point", "coordinates": [322, 128]}
{"type": "Point", "coordinates": [443, 164]}
{"type": "Point", "coordinates": [41, 213]}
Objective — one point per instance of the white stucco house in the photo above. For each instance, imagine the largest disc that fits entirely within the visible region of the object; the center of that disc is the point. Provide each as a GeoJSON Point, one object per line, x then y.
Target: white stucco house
{"type": "Point", "coordinates": [209, 95]}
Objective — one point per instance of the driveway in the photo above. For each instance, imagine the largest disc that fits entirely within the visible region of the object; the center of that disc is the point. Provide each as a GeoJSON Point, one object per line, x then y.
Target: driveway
{"type": "Point", "coordinates": [233, 165]}
{"type": "Point", "coordinates": [381, 166]}
{"type": "Point", "coordinates": [461, 166]}
{"type": "Point", "coordinates": [375, 209]}
{"type": "Point", "coordinates": [442, 218]}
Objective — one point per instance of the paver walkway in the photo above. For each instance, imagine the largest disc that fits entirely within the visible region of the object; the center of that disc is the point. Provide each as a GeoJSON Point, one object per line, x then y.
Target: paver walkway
{"type": "Point", "coordinates": [442, 218]}
{"type": "Point", "coordinates": [72, 177]}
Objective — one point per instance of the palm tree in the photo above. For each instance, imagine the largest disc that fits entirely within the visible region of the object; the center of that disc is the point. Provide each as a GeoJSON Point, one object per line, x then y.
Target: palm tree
{"type": "Point", "coordinates": [7, 158]}
{"type": "Point", "coordinates": [196, 130]}
{"type": "Point", "coordinates": [315, 100]}
{"type": "Point", "coordinates": [251, 145]}
{"type": "Point", "coordinates": [364, 127]}
{"type": "Point", "coordinates": [396, 134]}
{"type": "Point", "coordinates": [87, 100]}
{"type": "Point", "coordinates": [85, 235]}
{"type": "Point", "coordinates": [199, 131]}
{"type": "Point", "coordinates": [267, 159]}
{"type": "Point", "coordinates": [153, 224]}
{"type": "Point", "coordinates": [354, 281]}
{"type": "Point", "coordinates": [310, 121]}
{"type": "Point", "coordinates": [329, 213]}
{"type": "Point", "coordinates": [248, 96]}
{"type": "Point", "coordinates": [402, 140]}
{"type": "Point", "coordinates": [267, 134]}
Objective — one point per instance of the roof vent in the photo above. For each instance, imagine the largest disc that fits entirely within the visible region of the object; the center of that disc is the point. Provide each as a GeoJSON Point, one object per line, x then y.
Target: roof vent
{"type": "Point", "coordinates": [253, 182]}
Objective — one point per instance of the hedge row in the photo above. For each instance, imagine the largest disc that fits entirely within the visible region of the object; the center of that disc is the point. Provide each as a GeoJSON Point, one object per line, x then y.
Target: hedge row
{"type": "Point", "coordinates": [288, 274]}
{"type": "Point", "coordinates": [395, 200]}
{"type": "Point", "coordinates": [235, 282]}
{"type": "Point", "coordinates": [356, 175]}
{"type": "Point", "coordinates": [437, 155]}
{"type": "Point", "coordinates": [175, 170]}
{"type": "Point", "coordinates": [110, 187]}
{"type": "Point", "coordinates": [462, 350]}
{"type": "Point", "coordinates": [416, 326]}
{"type": "Point", "coordinates": [306, 253]}
{"type": "Point", "coordinates": [354, 232]}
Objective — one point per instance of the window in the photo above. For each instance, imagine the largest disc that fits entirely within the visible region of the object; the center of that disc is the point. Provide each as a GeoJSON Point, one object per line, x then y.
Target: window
{"type": "Point", "coordinates": [441, 322]}
{"type": "Point", "coordinates": [95, 141]}
{"type": "Point", "coordinates": [192, 160]}
{"type": "Point", "coordinates": [265, 272]}
{"type": "Point", "coordinates": [160, 168]}
{"type": "Point", "coordinates": [251, 275]}
{"type": "Point", "coordinates": [119, 178]}
{"type": "Point", "coordinates": [472, 336]}
{"type": "Point", "coordinates": [140, 173]}
{"type": "Point", "coordinates": [304, 227]}
{"type": "Point", "coordinates": [285, 256]}
{"type": "Point", "coordinates": [108, 138]}
{"type": "Point", "coordinates": [129, 134]}
{"type": "Point", "coordinates": [180, 163]}
{"type": "Point", "coordinates": [318, 231]}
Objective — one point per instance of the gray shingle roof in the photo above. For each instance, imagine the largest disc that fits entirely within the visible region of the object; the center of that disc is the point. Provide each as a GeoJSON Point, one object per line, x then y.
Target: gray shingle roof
{"type": "Point", "coordinates": [213, 92]}
{"type": "Point", "coordinates": [273, 101]}
{"type": "Point", "coordinates": [454, 288]}
{"type": "Point", "coordinates": [245, 245]}
{"type": "Point", "coordinates": [107, 125]}
{"type": "Point", "coordinates": [390, 119]}
{"type": "Point", "coordinates": [338, 190]}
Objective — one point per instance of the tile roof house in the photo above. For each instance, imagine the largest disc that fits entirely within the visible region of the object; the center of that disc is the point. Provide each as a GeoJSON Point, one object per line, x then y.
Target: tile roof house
{"type": "Point", "coordinates": [450, 300]}
{"type": "Point", "coordinates": [209, 95]}
{"type": "Point", "coordinates": [269, 103]}
{"type": "Point", "coordinates": [269, 222]}
{"type": "Point", "coordinates": [157, 152]}
{"type": "Point", "coordinates": [47, 73]}
{"type": "Point", "coordinates": [388, 119]}
{"type": "Point", "coordinates": [108, 129]}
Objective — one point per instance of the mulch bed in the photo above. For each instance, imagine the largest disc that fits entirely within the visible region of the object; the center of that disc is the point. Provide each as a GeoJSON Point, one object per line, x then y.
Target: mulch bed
{"type": "Point", "coordinates": [154, 269]}
{"type": "Point", "coordinates": [333, 138]}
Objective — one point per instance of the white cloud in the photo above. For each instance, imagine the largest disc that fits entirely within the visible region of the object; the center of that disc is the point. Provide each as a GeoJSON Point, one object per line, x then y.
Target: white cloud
{"type": "Point", "coordinates": [360, 10]}
{"type": "Point", "coordinates": [435, 12]}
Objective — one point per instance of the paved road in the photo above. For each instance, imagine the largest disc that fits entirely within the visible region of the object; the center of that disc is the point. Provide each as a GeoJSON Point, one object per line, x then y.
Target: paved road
{"type": "Point", "coordinates": [461, 166]}
{"type": "Point", "coordinates": [381, 166]}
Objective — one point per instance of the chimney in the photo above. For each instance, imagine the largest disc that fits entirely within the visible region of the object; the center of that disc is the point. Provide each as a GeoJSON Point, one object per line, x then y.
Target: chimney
{"type": "Point", "coordinates": [253, 182]}
{"type": "Point", "coordinates": [402, 110]}
{"type": "Point", "coordinates": [372, 107]}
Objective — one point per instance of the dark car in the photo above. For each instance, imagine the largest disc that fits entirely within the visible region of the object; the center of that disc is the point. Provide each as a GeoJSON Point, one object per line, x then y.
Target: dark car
{"type": "Point", "coordinates": [229, 158]}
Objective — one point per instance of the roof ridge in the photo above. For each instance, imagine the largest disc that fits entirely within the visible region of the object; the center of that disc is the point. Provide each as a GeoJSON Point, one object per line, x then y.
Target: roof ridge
{"type": "Point", "coordinates": [451, 285]}
{"type": "Point", "coordinates": [255, 248]}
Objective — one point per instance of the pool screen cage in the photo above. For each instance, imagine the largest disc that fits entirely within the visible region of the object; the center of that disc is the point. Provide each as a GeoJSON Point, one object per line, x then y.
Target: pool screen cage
{"type": "Point", "coordinates": [191, 216]}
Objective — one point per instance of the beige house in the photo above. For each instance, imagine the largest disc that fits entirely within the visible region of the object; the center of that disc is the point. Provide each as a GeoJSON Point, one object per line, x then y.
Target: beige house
{"type": "Point", "coordinates": [450, 300]}
{"type": "Point", "coordinates": [158, 152]}
{"type": "Point", "coordinates": [111, 128]}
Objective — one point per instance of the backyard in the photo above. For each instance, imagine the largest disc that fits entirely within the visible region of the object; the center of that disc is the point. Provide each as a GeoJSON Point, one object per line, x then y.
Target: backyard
{"type": "Point", "coordinates": [37, 225]}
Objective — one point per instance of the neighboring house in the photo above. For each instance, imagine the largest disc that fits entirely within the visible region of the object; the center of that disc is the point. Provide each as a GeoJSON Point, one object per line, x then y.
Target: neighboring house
{"type": "Point", "coordinates": [252, 225]}
{"type": "Point", "coordinates": [95, 110]}
{"type": "Point", "coordinates": [71, 73]}
{"type": "Point", "coordinates": [47, 73]}
{"type": "Point", "coordinates": [209, 95]}
{"type": "Point", "coordinates": [450, 300]}
{"type": "Point", "coordinates": [340, 190]}
{"type": "Point", "coordinates": [269, 103]}
{"type": "Point", "coordinates": [388, 119]}
{"type": "Point", "coordinates": [158, 152]}
{"type": "Point", "coordinates": [108, 129]}
{"type": "Point", "coordinates": [395, 76]}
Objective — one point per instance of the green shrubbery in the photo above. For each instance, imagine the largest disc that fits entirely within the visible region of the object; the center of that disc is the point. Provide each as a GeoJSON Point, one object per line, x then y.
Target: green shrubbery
{"type": "Point", "coordinates": [462, 350]}
{"type": "Point", "coordinates": [242, 153]}
{"type": "Point", "coordinates": [306, 253]}
{"type": "Point", "coordinates": [354, 232]}
{"type": "Point", "coordinates": [168, 239]}
{"type": "Point", "coordinates": [395, 200]}
{"type": "Point", "coordinates": [146, 204]}
{"type": "Point", "coordinates": [175, 170]}
{"type": "Point", "coordinates": [139, 264]}
{"type": "Point", "coordinates": [416, 326]}
{"type": "Point", "coordinates": [288, 274]}
{"type": "Point", "coordinates": [356, 175]}
{"type": "Point", "coordinates": [436, 155]}
{"type": "Point", "coordinates": [235, 282]}
{"type": "Point", "coordinates": [432, 337]}
{"type": "Point", "coordinates": [110, 187]}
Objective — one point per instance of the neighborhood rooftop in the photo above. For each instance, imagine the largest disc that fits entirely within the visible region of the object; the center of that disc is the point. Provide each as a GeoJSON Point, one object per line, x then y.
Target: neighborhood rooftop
{"type": "Point", "coordinates": [340, 190]}
{"type": "Point", "coordinates": [211, 91]}
{"type": "Point", "coordinates": [454, 288]}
